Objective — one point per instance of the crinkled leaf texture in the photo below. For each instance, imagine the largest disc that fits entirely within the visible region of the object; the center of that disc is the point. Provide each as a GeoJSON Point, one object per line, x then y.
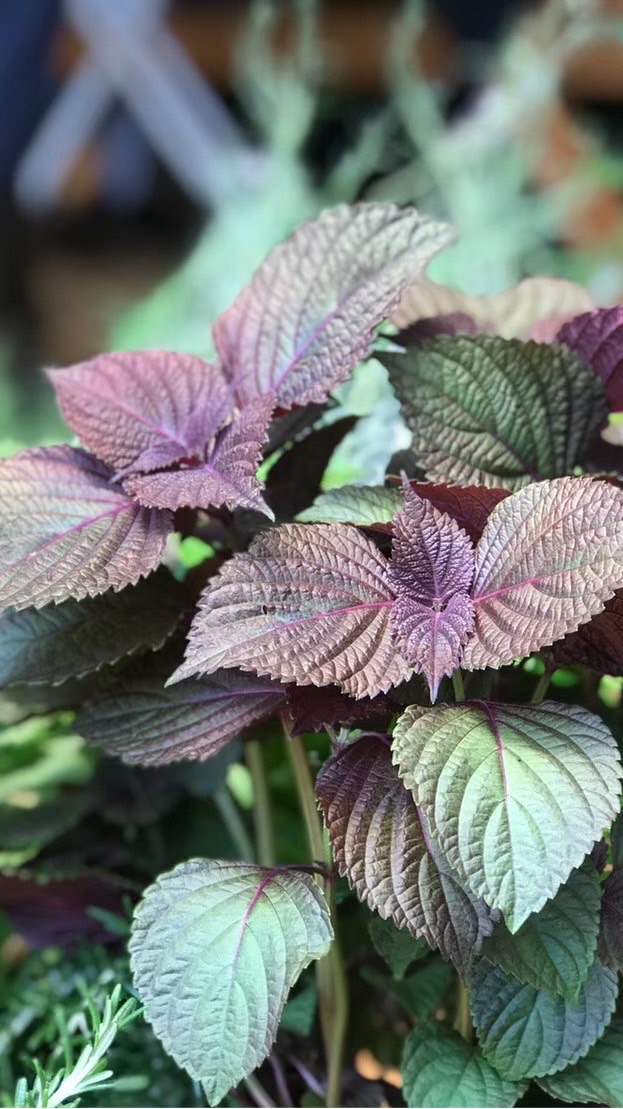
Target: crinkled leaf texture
{"type": "Point", "coordinates": [611, 931]}
{"type": "Point", "coordinates": [599, 643]}
{"type": "Point", "coordinates": [440, 1069]}
{"type": "Point", "coordinates": [555, 948]}
{"type": "Point", "coordinates": [598, 1077]}
{"type": "Point", "coordinates": [305, 604]}
{"type": "Point", "coordinates": [374, 506]}
{"type": "Point", "coordinates": [515, 794]}
{"type": "Point", "coordinates": [364, 505]}
{"type": "Point", "coordinates": [514, 313]}
{"type": "Point", "coordinates": [143, 410]}
{"type": "Point", "coordinates": [143, 722]}
{"type": "Point", "coordinates": [597, 337]}
{"type": "Point", "coordinates": [74, 638]}
{"type": "Point", "coordinates": [549, 558]}
{"type": "Point", "coordinates": [223, 474]}
{"type": "Point", "coordinates": [382, 844]}
{"type": "Point", "coordinates": [528, 1033]}
{"type": "Point", "coordinates": [430, 575]}
{"type": "Point", "coordinates": [310, 312]}
{"type": "Point", "coordinates": [497, 412]}
{"type": "Point", "coordinates": [67, 531]}
{"type": "Point", "coordinates": [215, 949]}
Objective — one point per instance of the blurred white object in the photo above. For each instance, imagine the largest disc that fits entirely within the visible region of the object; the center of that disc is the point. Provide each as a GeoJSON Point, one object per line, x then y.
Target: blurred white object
{"type": "Point", "coordinates": [133, 58]}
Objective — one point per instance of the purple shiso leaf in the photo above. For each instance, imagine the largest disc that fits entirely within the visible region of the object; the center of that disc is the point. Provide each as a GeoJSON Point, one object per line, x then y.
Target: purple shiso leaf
{"type": "Point", "coordinates": [598, 644]}
{"type": "Point", "coordinates": [383, 845]}
{"type": "Point", "coordinates": [226, 476]}
{"type": "Point", "coordinates": [469, 505]}
{"type": "Point", "coordinates": [143, 410]}
{"type": "Point", "coordinates": [549, 559]}
{"type": "Point", "coordinates": [310, 312]}
{"type": "Point", "coordinates": [430, 574]}
{"type": "Point", "coordinates": [308, 604]}
{"type": "Point", "coordinates": [597, 337]}
{"type": "Point", "coordinates": [67, 531]}
{"type": "Point", "coordinates": [142, 722]}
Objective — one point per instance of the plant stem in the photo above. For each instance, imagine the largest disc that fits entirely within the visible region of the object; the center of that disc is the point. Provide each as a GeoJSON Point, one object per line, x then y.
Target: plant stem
{"type": "Point", "coordinates": [330, 972]}
{"type": "Point", "coordinates": [540, 688]}
{"type": "Point", "coordinates": [258, 1093]}
{"type": "Point", "coordinates": [458, 685]}
{"type": "Point", "coordinates": [234, 824]}
{"type": "Point", "coordinates": [463, 1018]}
{"type": "Point", "coordinates": [262, 816]}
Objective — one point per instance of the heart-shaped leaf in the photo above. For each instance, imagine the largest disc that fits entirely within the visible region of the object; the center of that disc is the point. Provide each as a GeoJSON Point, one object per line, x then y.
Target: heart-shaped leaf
{"type": "Point", "coordinates": [528, 1033]}
{"type": "Point", "coordinates": [67, 531]}
{"type": "Point", "coordinates": [143, 722]}
{"type": "Point", "coordinates": [74, 638]}
{"type": "Point", "coordinates": [555, 948]}
{"type": "Point", "coordinates": [549, 558]}
{"type": "Point", "coordinates": [145, 409]}
{"type": "Point", "coordinates": [305, 604]}
{"type": "Point", "coordinates": [440, 1068]}
{"type": "Point", "coordinates": [382, 843]}
{"type": "Point", "coordinates": [430, 575]}
{"type": "Point", "coordinates": [215, 950]}
{"type": "Point", "coordinates": [598, 1077]}
{"type": "Point", "coordinates": [495, 411]}
{"type": "Point", "coordinates": [515, 794]}
{"type": "Point", "coordinates": [328, 287]}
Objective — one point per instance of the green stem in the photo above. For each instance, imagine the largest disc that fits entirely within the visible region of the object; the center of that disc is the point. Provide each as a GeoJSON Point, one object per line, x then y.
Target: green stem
{"type": "Point", "coordinates": [458, 685]}
{"type": "Point", "coordinates": [330, 972]}
{"type": "Point", "coordinates": [262, 816]}
{"type": "Point", "coordinates": [234, 824]}
{"type": "Point", "coordinates": [463, 1017]}
{"type": "Point", "coordinates": [540, 688]}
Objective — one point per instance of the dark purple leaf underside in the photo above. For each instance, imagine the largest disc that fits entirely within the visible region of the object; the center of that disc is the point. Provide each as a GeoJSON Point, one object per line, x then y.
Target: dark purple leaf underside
{"type": "Point", "coordinates": [142, 722]}
{"type": "Point", "coordinates": [67, 531]}
{"type": "Point", "coordinates": [55, 912]}
{"type": "Point", "coordinates": [598, 338]}
{"type": "Point", "coordinates": [306, 604]}
{"type": "Point", "coordinates": [611, 928]}
{"type": "Point", "coordinates": [382, 844]}
{"type": "Point", "coordinates": [294, 481]}
{"type": "Point", "coordinates": [469, 505]}
{"type": "Point", "coordinates": [143, 410]}
{"type": "Point", "coordinates": [598, 644]}
{"type": "Point", "coordinates": [310, 312]}
{"type": "Point", "coordinates": [312, 709]}
{"type": "Point", "coordinates": [431, 573]}
{"type": "Point", "coordinates": [226, 476]}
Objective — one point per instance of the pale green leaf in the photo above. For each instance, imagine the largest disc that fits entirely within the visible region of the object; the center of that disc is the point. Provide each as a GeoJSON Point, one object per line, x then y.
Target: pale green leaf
{"type": "Point", "coordinates": [441, 1069]}
{"type": "Point", "coordinates": [354, 504]}
{"type": "Point", "coordinates": [528, 1033]}
{"type": "Point", "coordinates": [215, 949]}
{"type": "Point", "coordinates": [555, 948]}
{"type": "Point", "coordinates": [516, 795]}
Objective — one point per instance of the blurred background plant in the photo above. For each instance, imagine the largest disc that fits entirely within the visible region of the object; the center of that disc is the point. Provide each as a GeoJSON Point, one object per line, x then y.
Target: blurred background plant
{"type": "Point", "coordinates": [515, 137]}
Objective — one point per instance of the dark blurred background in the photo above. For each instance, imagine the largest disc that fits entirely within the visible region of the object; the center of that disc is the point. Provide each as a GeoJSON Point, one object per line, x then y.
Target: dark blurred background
{"type": "Point", "coordinates": [152, 152]}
